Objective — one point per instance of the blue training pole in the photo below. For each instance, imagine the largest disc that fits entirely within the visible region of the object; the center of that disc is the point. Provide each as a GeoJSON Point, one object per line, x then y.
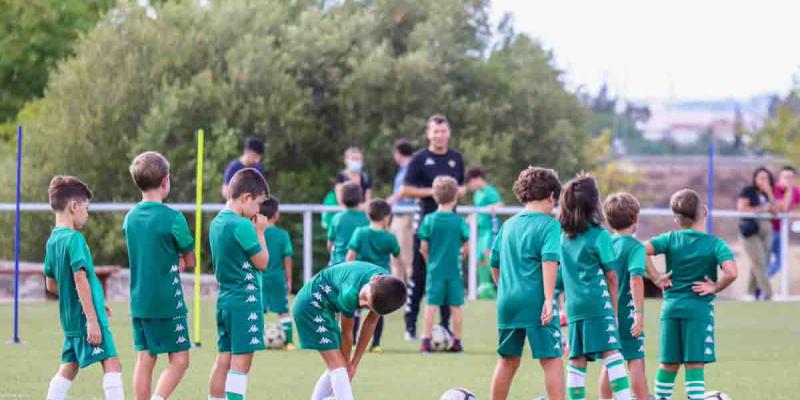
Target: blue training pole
{"type": "Point", "coordinates": [16, 236]}
{"type": "Point", "coordinates": [710, 193]}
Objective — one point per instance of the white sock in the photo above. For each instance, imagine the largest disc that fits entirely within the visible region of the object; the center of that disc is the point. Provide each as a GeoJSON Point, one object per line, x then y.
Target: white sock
{"type": "Point", "coordinates": [617, 376]}
{"type": "Point", "coordinates": [156, 397]}
{"type": "Point", "coordinates": [323, 388]}
{"type": "Point", "coordinates": [59, 386]}
{"type": "Point", "coordinates": [340, 380]}
{"type": "Point", "coordinates": [236, 385]}
{"type": "Point", "coordinates": [215, 398]}
{"type": "Point", "coordinates": [112, 386]}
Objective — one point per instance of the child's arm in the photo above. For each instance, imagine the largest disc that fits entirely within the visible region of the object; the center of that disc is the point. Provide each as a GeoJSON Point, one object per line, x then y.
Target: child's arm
{"type": "Point", "coordinates": [347, 336]}
{"type": "Point", "coordinates": [51, 286]}
{"type": "Point", "coordinates": [261, 259]}
{"type": "Point", "coordinates": [423, 250]}
{"type": "Point", "coordinates": [729, 272]}
{"type": "Point", "coordinates": [662, 281]}
{"type": "Point", "coordinates": [465, 250]}
{"type": "Point", "coordinates": [367, 331]}
{"type": "Point", "coordinates": [637, 291]}
{"type": "Point", "coordinates": [549, 274]}
{"type": "Point", "coordinates": [496, 275]}
{"type": "Point", "coordinates": [351, 255]}
{"type": "Point", "coordinates": [94, 336]}
{"type": "Point", "coordinates": [613, 288]}
{"type": "Point", "coordinates": [287, 266]}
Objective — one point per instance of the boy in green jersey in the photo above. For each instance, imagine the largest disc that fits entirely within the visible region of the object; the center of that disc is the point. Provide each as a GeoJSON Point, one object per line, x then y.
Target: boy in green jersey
{"type": "Point", "coordinates": [590, 289]}
{"type": "Point", "coordinates": [443, 236]}
{"type": "Point", "coordinates": [342, 289]}
{"type": "Point", "coordinates": [687, 314]}
{"type": "Point", "coordinates": [485, 195]}
{"type": "Point", "coordinates": [524, 263]}
{"type": "Point", "coordinates": [239, 253]}
{"type": "Point", "coordinates": [159, 249]}
{"type": "Point", "coordinates": [69, 274]}
{"type": "Point", "coordinates": [344, 223]}
{"type": "Point", "coordinates": [276, 279]}
{"type": "Point", "coordinates": [375, 244]}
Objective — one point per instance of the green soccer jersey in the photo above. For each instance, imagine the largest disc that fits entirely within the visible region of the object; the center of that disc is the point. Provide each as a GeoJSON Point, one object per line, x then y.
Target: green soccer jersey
{"type": "Point", "coordinates": [156, 236]}
{"type": "Point", "coordinates": [67, 253]}
{"type": "Point", "coordinates": [631, 256]}
{"type": "Point", "coordinates": [374, 246]}
{"type": "Point", "coordinates": [233, 241]}
{"type": "Point", "coordinates": [336, 289]}
{"type": "Point", "coordinates": [279, 246]}
{"type": "Point", "coordinates": [340, 231]}
{"type": "Point", "coordinates": [482, 198]}
{"type": "Point", "coordinates": [524, 242]}
{"type": "Point", "coordinates": [691, 256]}
{"type": "Point", "coordinates": [445, 232]}
{"type": "Point", "coordinates": [584, 259]}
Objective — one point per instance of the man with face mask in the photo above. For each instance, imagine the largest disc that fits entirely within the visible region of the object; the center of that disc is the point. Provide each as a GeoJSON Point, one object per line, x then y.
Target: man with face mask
{"type": "Point", "coordinates": [354, 172]}
{"type": "Point", "coordinates": [435, 160]}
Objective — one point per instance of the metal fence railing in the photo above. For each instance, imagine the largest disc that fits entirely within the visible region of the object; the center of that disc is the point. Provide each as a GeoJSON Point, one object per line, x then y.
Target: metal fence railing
{"type": "Point", "coordinates": [308, 211]}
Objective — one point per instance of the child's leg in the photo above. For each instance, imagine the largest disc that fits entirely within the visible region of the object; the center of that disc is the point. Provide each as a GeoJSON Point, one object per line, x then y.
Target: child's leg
{"type": "Point", "coordinates": [427, 329]}
{"type": "Point", "coordinates": [62, 381]}
{"type": "Point", "coordinates": [143, 375]}
{"type": "Point", "coordinates": [356, 324]}
{"type": "Point", "coordinates": [171, 377]}
{"type": "Point", "coordinates": [286, 323]}
{"type": "Point", "coordinates": [553, 377]}
{"type": "Point", "coordinates": [458, 321]}
{"type": "Point", "coordinates": [112, 379]}
{"type": "Point", "coordinates": [216, 382]}
{"type": "Point", "coordinates": [603, 387]}
{"type": "Point", "coordinates": [503, 376]}
{"type": "Point", "coordinates": [617, 376]}
{"type": "Point", "coordinates": [665, 380]}
{"type": "Point", "coordinates": [576, 378]}
{"type": "Point", "coordinates": [638, 379]}
{"type": "Point", "coordinates": [695, 381]}
{"type": "Point", "coordinates": [337, 373]}
{"type": "Point", "coordinates": [376, 338]}
{"type": "Point", "coordinates": [236, 379]}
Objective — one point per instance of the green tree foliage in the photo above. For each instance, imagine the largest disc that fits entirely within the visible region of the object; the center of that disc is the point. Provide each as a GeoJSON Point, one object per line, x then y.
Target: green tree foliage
{"type": "Point", "coordinates": [311, 78]}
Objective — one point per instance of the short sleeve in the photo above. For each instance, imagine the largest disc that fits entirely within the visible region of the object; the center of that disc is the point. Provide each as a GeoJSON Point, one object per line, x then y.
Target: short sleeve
{"type": "Point", "coordinates": [425, 229]}
{"type": "Point", "coordinates": [348, 298]}
{"type": "Point", "coordinates": [636, 260]}
{"type": "Point", "coordinates": [605, 250]}
{"type": "Point", "coordinates": [464, 230]}
{"type": "Point", "coordinates": [551, 245]}
{"type": "Point", "coordinates": [413, 172]}
{"type": "Point", "coordinates": [79, 255]}
{"type": "Point", "coordinates": [247, 238]}
{"type": "Point", "coordinates": [48, 267]}
{"type": "Point", "coordinates": [288, 249]}
{"type": "Point", "coordinates": [494, 256]}
{"type": "Point", "coordinates": [722, 252]}
{"type": "Point", "coordinates": [182, 235]}
{"type": "Point", "coordinates": [394, 244]}
{"type": "Point", "coordinates": [660, 243]}
{"type": "Point", "coordinates": [230, 171]}
{"type": "Point", "coordinates": [355, 240]}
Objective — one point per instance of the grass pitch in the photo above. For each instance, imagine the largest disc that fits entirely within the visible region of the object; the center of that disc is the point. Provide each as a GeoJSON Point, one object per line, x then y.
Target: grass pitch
{"type": "Point", "coordinates": [758, 345]}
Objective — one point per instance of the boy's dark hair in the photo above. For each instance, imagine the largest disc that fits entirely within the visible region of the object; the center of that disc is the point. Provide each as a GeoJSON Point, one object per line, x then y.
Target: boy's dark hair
{"type": "Point", "coordinates": [437, 119]}
{"type": "Point", "coordinates": [148, 170]}
{"type": "Point", "coordinates": [64, 188]}
{"type": "Point", "coordinates": [534, 183]}
{"type": "Point", "coordinates": [269, 207]}
{"type": "Point", "coordinates": [621, 210]}
{"type": "Point", "coordinates": [255, 145]}
{"type": "Point", "coordinates": [388, 294]}
{"type": "Point", "coordinates": [789, 168]}
{"type": "Point", "coordinates": [378, 209]}
{"type": "Point", "coordinates": [247, 180]}
{"type": "Point", "coordinates": [686, 206]}
{"type": "Point", "coordinates": [445, 189]}
{"type": "Point", "coordinates": [580, 205]}
{"type": "Point", "coordinates": [473, 173]}
{"type": "Point", "coordinates": [404, 147]}
{"type": "Point", "coordinates": [351, 194]}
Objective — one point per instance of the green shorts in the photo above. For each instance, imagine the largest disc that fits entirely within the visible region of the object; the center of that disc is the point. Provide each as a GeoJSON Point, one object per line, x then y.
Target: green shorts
{"type": "Point", "coordinates": [317, 328]}
{"type": "Point", "coordinates": [592, 336]}
{"type": "Point", "coordinates": [274, 295]}
{"type": "Point", "coordinates": [545, 341]}
{"type": "Point", "coordinates": [445, 292]}
{"type": "Point", "coordinates": [632, 347]}
{"type": "Point", "coordinates": [687, 341]}
{"type": "Point", "coordinates": [78, 350]}
{"type": "Point", "coordinates": [239, 331]}
{"type": "Point", "coordinates": [161, 335]}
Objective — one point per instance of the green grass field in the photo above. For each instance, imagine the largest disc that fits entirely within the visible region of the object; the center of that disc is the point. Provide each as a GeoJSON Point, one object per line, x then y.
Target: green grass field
{"type": "Point", "coordinates": [758, 349]}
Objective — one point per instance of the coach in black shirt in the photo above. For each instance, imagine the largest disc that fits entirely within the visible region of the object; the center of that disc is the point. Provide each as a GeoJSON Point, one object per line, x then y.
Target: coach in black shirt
{"type": "Point", "coordinates": [435, 160]}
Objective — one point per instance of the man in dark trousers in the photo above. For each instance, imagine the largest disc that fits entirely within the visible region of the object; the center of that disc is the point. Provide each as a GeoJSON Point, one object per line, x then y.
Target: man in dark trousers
{"type": "Point", "coordinates": [435, 160]}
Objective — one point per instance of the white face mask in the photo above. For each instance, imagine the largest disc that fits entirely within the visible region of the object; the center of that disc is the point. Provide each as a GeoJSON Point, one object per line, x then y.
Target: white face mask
{"type": "Point", "coordinates": [354, 165]}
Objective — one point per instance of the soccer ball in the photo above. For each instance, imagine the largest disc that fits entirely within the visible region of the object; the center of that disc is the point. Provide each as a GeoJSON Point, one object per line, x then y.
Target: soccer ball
{"type": "Point", "coordinates": [458, 394]}
{"type": "Point", "coordinates": [441, 339]}
{"type": "Point", "coordinates": [716, 395]}
{"type": "Point", "coordinates": [274, 337]}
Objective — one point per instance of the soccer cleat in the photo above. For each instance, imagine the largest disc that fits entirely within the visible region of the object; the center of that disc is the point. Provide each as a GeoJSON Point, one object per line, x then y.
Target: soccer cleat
{"type": "Point", "coordinates": [410, 337]}
{"type": "Point", "coordinates": [425, 347]}
{"type": "Point", "coordinates": [376, 349]}
{"type": "Point", "coordinates": [456, 347]}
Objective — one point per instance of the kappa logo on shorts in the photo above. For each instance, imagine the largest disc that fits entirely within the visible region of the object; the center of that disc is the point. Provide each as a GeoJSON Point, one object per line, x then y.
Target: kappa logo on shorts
{"type": "Point", "coordinates": [249, 277]}
{"type": "Point", "coordinates": [179, 328]}
{"type": "Point", "coordinates": [246, 265]}
{"type": "Point", "coordinates": [250, 299]}
{"type": "Point", "coordinates": [556, 334]}
{"type": "Point", "coordinates": [322, 329]}
{"type": "Point", "coordinates": [254, 341]}
{"type": "Point", "coordinates": [556, 313]}
{"type": "Point", "coordinates": [612, 340]}
{"type": "Point", "coordinates": [97, 350]}
{"type": "Point", "coordinates": [606, 294]}
{"type": "Point", "coordinates": [253, 329]}
{"type": "Point", "coordinates": [709, 339]}
{"type": "Point", "coordinates": [252, 317]}
{"type": "Point", "coordinates": [317, 295]}
{"type": "Point", "coordinates": [607, 306]}
{"type": "Point", "coordinates": [603, 283]}
{"type": "Point", "coordinates": [325, 340]}
{"type": "Point", "coordinates": [326, 288]}
{"type": "Point", "coordinates": [641, 349]}
{"type": "Point", "coordinates": [176, 281]}
{"type": "Point", "coordinates": [181, 340]}
{"type": "Point", "coordinates": [319, 319]}
{"type": "Point", "coordinates": [316, 304]}
{"type": "Point", "coordinates": [557, 345]}
{"type": "Point", "coordinates": [630, 303]}
{"type": "Point", "coordinates": [250, 287]}
{"type": "Point", "coordinates": [709, 352]}
{"type": "Point", "coordinates": [177, 292]}
{"type": "Point", "coordinates": [611, 328]}
{"type": "Point", "coordinates": [599, 272]}
{"type": "Point", "coordinates": [179, 305]}
{"type": "Point", "coordinates": [640, 338]}
{"type": "Point", "coordinates": [711, 313]}
{"type": "Point", "coordinates": [710, 328]}
{"type": "Point", "coordinates": [631, 314]}
{"type": "Point", "coordinates": [174, 268]}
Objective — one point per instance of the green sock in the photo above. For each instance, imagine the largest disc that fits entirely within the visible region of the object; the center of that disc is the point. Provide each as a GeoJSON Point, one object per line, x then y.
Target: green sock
{"type": "Point", "coordinates": [286, 323]}
{"type": "Point", "coordinates": [665, 383]}
{"type": "Point", "coordinates": [695, 383]}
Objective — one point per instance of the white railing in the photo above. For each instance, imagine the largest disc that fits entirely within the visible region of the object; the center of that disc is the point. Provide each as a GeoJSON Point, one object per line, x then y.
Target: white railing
{"type": "Point", "coordinates": [308, 211]}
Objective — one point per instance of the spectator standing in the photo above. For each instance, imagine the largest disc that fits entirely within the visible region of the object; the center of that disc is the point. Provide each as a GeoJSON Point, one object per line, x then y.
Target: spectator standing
{"type": "Point", "coordinates": [787, 196]}
{"type": "Point", "coordinates": [402, 225]}
{"type": "Point", "coordinates": [251, 157]}
{"type": "Point", "coordinates": [354, 172]}
{"type": "Point", "coordinates": [756, 234]}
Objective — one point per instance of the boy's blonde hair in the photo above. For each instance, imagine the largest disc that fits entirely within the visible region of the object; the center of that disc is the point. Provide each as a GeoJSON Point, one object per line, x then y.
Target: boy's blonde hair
{"type": "Point", "coordinates": [149, 169]}
{"type": "Point", "coordinates": [621, 210]}
{"type": "Point", "coordinates": [687, 207]}
{"type": "Point", "coordinates": [445, 189]}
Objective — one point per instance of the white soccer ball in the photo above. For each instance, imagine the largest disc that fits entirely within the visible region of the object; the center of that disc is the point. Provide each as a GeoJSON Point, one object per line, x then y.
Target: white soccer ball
{"type": "Point", "coordinates": [274, 337]}
{"type": "Point", "coordinates": [458, 394]}
{"type": "Point", "coordinates": [717, 395]}
{"type": "Point", "coordinates": [441, 339]}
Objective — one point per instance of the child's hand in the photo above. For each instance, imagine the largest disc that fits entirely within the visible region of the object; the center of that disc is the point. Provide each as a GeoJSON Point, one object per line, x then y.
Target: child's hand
{"type": "Point", "coordinates": [638, 324]}
{"type": "Point", "coordinates": [705, 288]}
{"type": "Point", "coordinates": [547, 312]}
{"type": "Point", "coordinates": [261, 222]}
{"type": "Point", "coordinates": [93, 334]}
{"type": "Point", "coordinates": [663, 281]}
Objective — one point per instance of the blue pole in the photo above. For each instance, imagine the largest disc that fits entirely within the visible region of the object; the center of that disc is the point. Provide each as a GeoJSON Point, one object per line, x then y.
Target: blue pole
{"type": "Point", "coordinates": [710, 192]}
{"type": "Point", "coordinates": [16, 236]}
